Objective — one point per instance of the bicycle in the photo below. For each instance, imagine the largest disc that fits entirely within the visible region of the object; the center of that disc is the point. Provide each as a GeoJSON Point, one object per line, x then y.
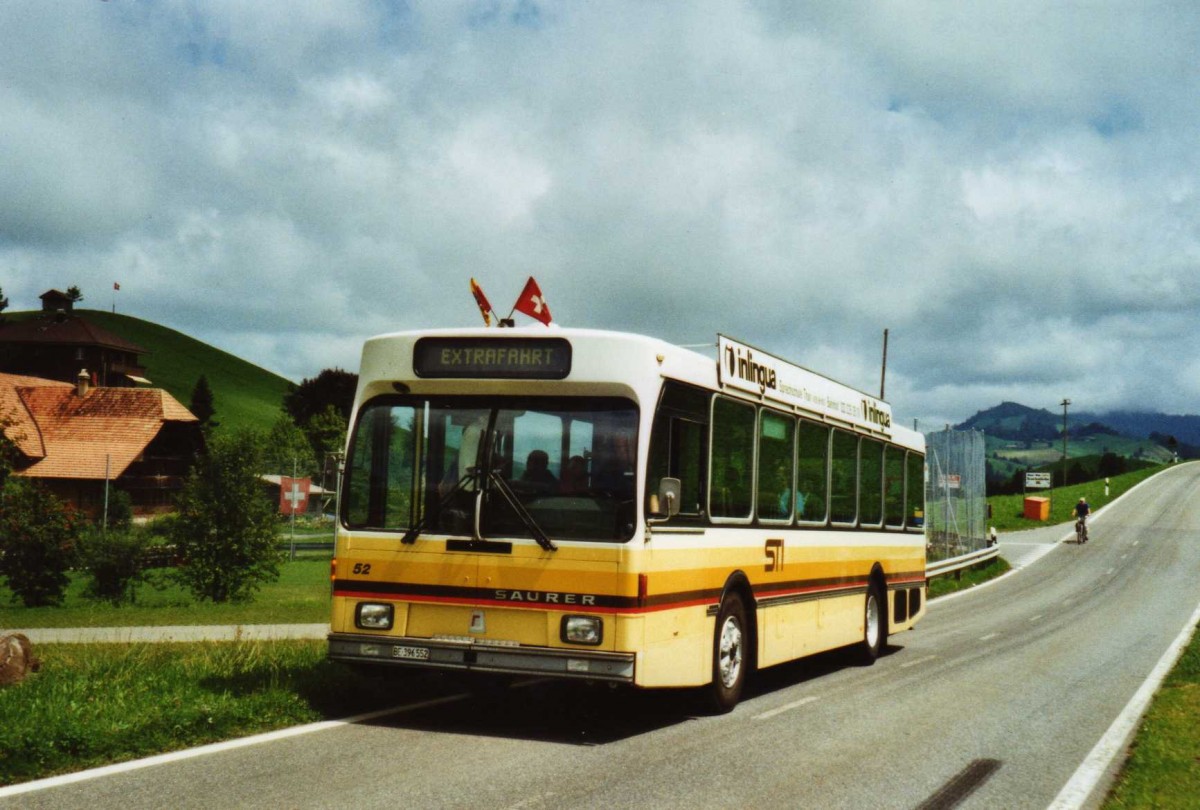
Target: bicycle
{"type": "Point", "coordinates": [1081, 532]}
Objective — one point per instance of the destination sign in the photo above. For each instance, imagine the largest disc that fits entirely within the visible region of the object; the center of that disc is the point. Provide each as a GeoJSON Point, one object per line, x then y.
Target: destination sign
{"type": "Point", "coordinates": [492, 358]}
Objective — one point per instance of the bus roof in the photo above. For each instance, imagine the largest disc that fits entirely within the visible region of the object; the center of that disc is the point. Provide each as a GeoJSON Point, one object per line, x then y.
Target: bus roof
{"type": "Point", "coordinates": [556, 359]}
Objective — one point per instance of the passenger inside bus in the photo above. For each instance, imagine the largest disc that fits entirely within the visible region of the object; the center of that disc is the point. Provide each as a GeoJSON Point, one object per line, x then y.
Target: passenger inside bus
{"type": "Point", "coordinates": [574, 477]}
{"type": "Point", "coordinates": [537, 471]}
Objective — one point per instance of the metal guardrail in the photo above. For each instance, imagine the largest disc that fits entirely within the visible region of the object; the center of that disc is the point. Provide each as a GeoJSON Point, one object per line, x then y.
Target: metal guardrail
{"type": "Point", "coordinates": [311, 545]}
{"type": "Point", "coordinates": [966, 560]}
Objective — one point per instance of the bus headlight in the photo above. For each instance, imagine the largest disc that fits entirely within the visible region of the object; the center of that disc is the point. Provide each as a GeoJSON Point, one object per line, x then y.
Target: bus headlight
{"type": "Point", "coordinates": [373, 616]}
{"type": "Point", "coordinates": [582, 630]}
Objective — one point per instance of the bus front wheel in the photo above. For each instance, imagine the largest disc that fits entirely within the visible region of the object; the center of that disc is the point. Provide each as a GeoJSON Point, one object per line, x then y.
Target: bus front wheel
{"type": "Point", "coordinates": [730, 660]}
{"type": "Point", "coordinates": [874, 626]}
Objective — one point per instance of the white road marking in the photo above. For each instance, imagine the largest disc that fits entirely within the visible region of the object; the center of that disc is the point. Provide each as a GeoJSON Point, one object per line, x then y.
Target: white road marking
{"type": "Point", "coordinates": [988, 637]}
{"type": "Point", "coordinates": [918, 662]}
{"type": "Point", "coordinates": [795, 704]}
{"type": "Point", "coordinates": [1092, 769]}
{"type": "Point", "coordinates": [533, 801]}
{"type": "Point", "coordinates": [214, 748]}
{"type": "Point", "coordinates": [1035, 618]}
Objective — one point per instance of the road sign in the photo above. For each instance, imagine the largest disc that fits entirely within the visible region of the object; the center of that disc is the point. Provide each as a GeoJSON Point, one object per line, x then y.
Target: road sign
{"type": "Point", "coordinates": [1037, 480]}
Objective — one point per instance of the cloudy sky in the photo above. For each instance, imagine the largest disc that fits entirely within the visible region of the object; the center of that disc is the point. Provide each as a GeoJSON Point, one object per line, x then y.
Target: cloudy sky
{"type": "Point", "coordinates": [1010, 188]}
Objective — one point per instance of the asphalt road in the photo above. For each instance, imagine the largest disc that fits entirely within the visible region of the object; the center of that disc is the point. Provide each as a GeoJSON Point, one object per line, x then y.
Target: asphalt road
{"type": "Point", "coordinates": [994, 701]}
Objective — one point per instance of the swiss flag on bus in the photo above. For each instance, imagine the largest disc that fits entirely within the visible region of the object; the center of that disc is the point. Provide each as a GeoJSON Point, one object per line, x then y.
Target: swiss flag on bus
{"type": "Point", "coordinates": [532, 303]}
{"type": "Point", "coordinates": [293, 495]}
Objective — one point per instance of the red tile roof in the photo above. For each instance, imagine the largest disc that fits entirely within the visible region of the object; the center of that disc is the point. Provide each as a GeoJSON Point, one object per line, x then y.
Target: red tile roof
{"type": "Point", "coordinates": [16, 420]}
{"type": "Point", "coordinates": [79, 437]}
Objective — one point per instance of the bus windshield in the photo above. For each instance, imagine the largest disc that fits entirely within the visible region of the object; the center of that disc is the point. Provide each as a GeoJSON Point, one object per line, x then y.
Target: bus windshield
{"type": "Point", "coordinates": [442, 463]}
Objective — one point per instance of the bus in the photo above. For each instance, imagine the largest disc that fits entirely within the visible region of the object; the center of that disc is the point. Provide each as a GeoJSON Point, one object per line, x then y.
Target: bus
{"type": "Point", "coordinates": [608, 507]}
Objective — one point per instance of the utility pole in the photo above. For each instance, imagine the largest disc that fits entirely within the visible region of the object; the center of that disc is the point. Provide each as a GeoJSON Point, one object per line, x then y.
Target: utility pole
{"type": "Point", "coordinates": [1064, 404]}
{"type": "Point", "coordinates": [883, 371]}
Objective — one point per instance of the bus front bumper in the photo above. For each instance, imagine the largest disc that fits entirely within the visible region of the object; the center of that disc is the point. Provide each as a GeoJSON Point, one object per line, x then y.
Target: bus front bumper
{"type": "Point", "coordinates": [471, 655]}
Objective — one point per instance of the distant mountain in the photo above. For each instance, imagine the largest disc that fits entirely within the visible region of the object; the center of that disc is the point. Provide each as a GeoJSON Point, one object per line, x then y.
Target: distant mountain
{"type": "Point", "coordinates": [1016, 422]}
{"type": "Point", "coordinates": [1140, 424]}
{"type": "Point", "coordinates": [1011, 420]}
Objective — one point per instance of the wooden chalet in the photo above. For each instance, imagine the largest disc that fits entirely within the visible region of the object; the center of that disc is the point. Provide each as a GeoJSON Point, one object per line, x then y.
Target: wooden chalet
{"type": "Point", "coordinates": [57, 343]}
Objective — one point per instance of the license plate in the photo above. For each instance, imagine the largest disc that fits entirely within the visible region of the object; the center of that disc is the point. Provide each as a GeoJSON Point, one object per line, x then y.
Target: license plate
{"type": "Point", "coordinates": [411, 653]}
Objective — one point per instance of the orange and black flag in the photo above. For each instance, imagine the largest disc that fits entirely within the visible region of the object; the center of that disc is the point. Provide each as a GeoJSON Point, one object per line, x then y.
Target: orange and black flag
{"type": "Point", "coordinates": [485, 308]}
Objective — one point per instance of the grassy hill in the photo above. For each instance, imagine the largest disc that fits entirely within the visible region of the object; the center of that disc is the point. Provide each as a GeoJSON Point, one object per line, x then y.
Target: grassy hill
{"type": "Point", "coordinates": [244, 395]}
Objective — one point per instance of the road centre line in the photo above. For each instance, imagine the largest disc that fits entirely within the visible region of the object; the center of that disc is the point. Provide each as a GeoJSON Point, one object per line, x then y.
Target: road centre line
{"type": "Point", "coordinates": [1089, 773]}
{"type": "Point", "coordinates": [1033, 619]}
{"type": "Point", "coordinates": [215, 748]}
{"type": "Point", "coordinates": [795, 704]}
{"type": "Point", "coordinates": [988, 637]}
{"type": "Point", "coordinates": [918, 662]}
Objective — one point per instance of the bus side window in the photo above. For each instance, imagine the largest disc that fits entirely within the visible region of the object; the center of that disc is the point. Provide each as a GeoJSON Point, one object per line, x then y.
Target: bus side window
{"type": "Point", "coordinates": [893, 487]}
{"type": "Point", "coordinates": [914, 492]}
{"type": "Point", "coordinates": [678, 447]}
{"type": "Point", "coordinates": [870, 478]}
{"type": "Point", "coordinates": [777, 496]}
{"type": "Point", "coordinates": [730, 485]}
{"type": "Point", "coordinates": [812, 473]}
{"type": "Point", "coordinates": [844, 478]}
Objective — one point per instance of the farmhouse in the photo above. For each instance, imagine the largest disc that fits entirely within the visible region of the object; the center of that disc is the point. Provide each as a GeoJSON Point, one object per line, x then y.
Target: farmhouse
{"type": "Point", "coordinates": [57, 343]}
{"type": "Point", "coordinates": [77, 440]}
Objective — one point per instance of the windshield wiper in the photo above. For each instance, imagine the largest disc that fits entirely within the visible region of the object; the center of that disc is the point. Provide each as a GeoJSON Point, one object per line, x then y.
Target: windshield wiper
{"type": "Point", "coordinates": [540, 536]}
{"type": "Point", "coordinates": [411, 535]}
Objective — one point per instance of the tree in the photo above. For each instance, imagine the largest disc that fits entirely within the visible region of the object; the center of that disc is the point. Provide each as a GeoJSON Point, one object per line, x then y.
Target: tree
{"type": "Point", "coordinates": [37, 548]}
{"type": "Point", "coordinates": [74, 294]}
{"type": "Point", "coordinates": [1110, 464]}
{"type": "Point", "coordinates": [202, 403]}
{"type": "Point", "coordinates": [3, 304]}
{"type": "Point", "coordinates": [327, 432]}
{"type": "Point", "coordinates": [225, 530]}
{"type": "Point", "coordinates": [287, 448]}
{"type": "Point", "coordinates": [331, 387]}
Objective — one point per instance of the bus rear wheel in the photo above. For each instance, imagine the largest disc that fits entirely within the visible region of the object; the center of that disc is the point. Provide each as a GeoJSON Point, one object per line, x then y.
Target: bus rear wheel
{"type": "Point", "coordinates": [730, 660]}
{"type": "Point", "coordinates": [874, 626]}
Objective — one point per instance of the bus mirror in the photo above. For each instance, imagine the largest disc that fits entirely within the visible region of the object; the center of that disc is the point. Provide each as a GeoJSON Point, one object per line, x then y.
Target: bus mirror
{"type": "Point", "coordinates": [668, 497]}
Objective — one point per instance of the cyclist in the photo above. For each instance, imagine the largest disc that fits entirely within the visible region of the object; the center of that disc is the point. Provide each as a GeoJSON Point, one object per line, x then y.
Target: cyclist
{"type": "Point", "coordinates": [1082, 510]}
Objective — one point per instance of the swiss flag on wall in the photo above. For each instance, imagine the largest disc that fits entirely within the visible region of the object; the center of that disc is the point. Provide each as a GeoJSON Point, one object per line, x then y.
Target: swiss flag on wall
{"type": "Point", "coordinates": [532, 303]}
{"type": "Point", "coordinates": [293, 495]}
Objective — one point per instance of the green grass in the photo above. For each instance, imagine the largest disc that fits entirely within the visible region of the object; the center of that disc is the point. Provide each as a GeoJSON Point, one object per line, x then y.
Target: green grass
{"type": "Point", "coordinates": [98, 704]}
{"type": "Point", "coordinates": [967, 577]}
{"type": "Point", "coordinates": [300, 596]}
{"type": "Point", "coordinates": [1163, 769]}
{"type": "Point", "coordinates": [244, 395]}
{"type": "Point", "coordinates": [1008, 510]}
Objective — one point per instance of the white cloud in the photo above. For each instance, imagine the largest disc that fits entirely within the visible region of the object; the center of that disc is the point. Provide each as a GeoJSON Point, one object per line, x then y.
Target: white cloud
{"type": "Point", "coordinates": [1007, 187]}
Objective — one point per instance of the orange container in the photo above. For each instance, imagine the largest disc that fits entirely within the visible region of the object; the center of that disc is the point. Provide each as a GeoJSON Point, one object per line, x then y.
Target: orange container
{"type": "Point", "coordinates": [1037, 508]}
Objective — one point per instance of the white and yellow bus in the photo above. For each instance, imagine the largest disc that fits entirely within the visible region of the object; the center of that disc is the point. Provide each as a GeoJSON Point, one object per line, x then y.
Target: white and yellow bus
{"type": "Point", "coordinates": [605, 506]}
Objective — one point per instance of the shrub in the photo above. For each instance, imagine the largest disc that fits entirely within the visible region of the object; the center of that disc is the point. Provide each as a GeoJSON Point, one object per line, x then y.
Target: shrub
{"type": "Point", "coordinates": [225, 529]}
{"type": "Point", "coordinates": [113, 561]}
{"type": "Point", "coordinates": [120, 510]}
{"type": "Point", "coordinates": [37, 535]}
